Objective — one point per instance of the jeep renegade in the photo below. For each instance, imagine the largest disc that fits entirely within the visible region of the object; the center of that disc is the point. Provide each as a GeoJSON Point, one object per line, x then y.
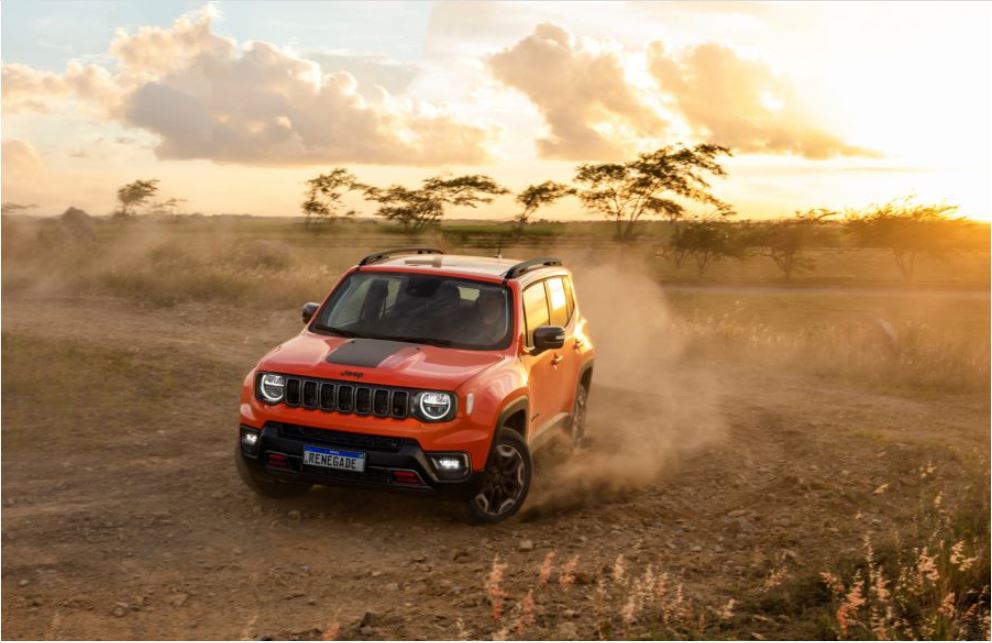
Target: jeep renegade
{"type": "Point", "coordinates": [426, 373]}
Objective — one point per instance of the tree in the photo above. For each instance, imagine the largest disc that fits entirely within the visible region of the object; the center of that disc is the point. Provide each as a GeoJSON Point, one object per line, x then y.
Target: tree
{"type": "Point", "coordinates": [324, 195]}
{"type": "Point", "coordinates": [785, 241]}
{"type": "Point", "coordinates": [535, 197]}
{"type": "Point", "coordinates": [133, 195]}
{"type": "Point", "coordinates": [417, 209]}
{"type": "Point", "coordinates": [707, 240]}
{"type": "Point", "coordinates": [626, 192]}
{"type": "Point", "coordinates": [906, 229]}
{"type": "Point", "coordinates": [168, 207]}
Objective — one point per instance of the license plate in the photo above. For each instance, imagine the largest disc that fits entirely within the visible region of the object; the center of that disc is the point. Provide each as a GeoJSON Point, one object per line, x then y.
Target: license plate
{"type": "Point", "coordinates": [334, 459]}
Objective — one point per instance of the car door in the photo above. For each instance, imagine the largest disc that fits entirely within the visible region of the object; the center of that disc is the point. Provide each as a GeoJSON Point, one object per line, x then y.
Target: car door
{"type": "Point", "coordinates": [560, 307]}
{"type": "Point", "coordinates": [545, 377]}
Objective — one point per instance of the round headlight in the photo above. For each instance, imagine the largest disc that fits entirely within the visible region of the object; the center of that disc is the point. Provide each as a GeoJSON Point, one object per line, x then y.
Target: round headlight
{"type": "Point", "coordinates": [272, 387]}
{"type": "Point", "coordinates": [434, 406]}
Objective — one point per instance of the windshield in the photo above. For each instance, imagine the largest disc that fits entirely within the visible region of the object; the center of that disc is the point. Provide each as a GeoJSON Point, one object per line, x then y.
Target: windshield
{"type": "Point", "coordinates": [428, 309]}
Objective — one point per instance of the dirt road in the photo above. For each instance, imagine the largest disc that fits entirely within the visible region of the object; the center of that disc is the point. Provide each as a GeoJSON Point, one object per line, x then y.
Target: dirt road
{"type": "Point", "coordinates": [123, 516]}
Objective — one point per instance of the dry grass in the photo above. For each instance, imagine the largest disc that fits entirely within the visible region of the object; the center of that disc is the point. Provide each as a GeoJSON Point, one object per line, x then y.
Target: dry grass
{"type": "Point", "coordinates": [924, 343]}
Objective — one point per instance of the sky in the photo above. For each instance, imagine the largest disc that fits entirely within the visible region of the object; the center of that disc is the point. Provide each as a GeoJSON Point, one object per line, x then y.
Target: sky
{"type": "Point", "coordinates": [234, 105]}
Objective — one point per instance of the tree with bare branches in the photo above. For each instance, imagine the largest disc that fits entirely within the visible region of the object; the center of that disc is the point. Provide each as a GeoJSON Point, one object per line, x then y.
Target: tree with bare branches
{"type": "Point", "coordinates": [627, 192]}
{"type": "Point", "coordinates": [787, 241]}
{"type": "Point", "coordinates": [906, 229]}
{"type": "Point", "coordinates": [324, 198]}
{"type": "Point", "coordinates": [536, 196]}
{"type": "Point", "coordinates": [423, 207]}
{"type": "Point", "coordinates": [133, 195]}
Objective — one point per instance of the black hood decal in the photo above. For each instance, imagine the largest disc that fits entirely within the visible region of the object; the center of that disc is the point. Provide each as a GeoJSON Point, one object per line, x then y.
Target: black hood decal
{"type": "Point", "coordinates": [365, 352]}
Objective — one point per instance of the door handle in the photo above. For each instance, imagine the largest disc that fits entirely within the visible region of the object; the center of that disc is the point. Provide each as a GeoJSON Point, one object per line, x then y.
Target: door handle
{"type": "Point", "coordinates": [556, 360]}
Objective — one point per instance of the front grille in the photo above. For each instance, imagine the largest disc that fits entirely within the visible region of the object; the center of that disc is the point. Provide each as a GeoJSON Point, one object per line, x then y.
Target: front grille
{"type": "Point", "coordinates": [342, 397]}
{"type": "Point", "coordinates": [342, 438]}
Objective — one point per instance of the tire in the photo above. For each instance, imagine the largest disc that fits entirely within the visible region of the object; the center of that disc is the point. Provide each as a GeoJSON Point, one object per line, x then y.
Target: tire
{"type": "Point", "coordinates": [506, 481]}
{"type": "Point", "coordinates": [577, 423]}
{"type": "Point", "coordinates": [266, 485]}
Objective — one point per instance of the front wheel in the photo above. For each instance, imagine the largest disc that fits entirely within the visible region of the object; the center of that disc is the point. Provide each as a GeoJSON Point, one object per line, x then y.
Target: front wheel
{"type": "Point", "coordinates": [506, 481]}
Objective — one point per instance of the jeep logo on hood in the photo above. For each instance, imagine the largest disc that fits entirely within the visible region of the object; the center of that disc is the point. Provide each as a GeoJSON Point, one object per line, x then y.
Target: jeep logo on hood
{"type": "Point", "coordinates": [355, 374]}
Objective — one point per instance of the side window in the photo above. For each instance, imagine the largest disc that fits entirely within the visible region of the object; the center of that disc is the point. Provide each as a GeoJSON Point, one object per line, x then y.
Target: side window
{"type": "Point", "coordinates": [558, 301]}
{"type": "Point", "coordinates": [570, 296]}
{"type": "Point", "coordinates": [535, 310]}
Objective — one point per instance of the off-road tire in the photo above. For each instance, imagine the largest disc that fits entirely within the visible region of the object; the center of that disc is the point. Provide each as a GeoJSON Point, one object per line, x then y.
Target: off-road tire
{"type": "Point", "coordinates": [507, 479]}
{"type": "Point", "coordinates": [265, 485]}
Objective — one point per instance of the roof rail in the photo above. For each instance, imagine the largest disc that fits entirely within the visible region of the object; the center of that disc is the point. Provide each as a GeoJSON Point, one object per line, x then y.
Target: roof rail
{"type": "Point", "coordinates": [382, 255]}
{"type": "Point", "coordinates": [530, 264]}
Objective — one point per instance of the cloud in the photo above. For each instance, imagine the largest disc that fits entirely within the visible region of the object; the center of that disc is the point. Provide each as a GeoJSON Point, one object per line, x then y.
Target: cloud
{"type": "Point", "coordinates": [206, 97]}
{"type": "Point", "coordinates": [582, 90]}
{"type": "Point", "coordinates": [20, 158]}
{"type": "Point", "coordinates": [742, 103]}
{"type": "Point", "coordinates": [370, 70]}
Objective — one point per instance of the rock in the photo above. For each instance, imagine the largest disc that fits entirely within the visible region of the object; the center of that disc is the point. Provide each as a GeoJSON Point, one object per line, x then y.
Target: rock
{"type": "Point", "coordinates": [525, 545]}
{"type": "Point", "coordinates": [295, 514]}
{"type": "Point", "coordinates": [570, 613]}
{"type": "Point", "coordinates": [737, 512]}
{"type": "Point", "coordinates": [696, 548]}
{"type": "Point", "coordinates": [366, 631]}
{"type": "Point", "coordinates": [24, 582]}
{"type": "Point", "coordinates": [392, 587]}
{"type": "Point", "coordinates": [120, 610]}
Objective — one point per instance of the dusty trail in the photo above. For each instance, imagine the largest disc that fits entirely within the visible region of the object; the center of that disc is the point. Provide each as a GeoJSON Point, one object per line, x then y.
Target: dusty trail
{"type": "Point", "coordinates": [127, 524]}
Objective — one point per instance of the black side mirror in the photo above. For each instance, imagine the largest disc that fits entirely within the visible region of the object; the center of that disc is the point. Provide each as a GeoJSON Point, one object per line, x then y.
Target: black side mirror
{"type": "Point", "coordinates": [548, 337]}
{"type": "Point", "coordinates": [308, 310]}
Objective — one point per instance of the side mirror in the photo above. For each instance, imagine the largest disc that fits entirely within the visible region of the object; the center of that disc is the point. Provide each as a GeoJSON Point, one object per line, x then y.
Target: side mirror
{"type": "Point", "coordinates": [308, 310]}
{"type": "Point", "coordinates": [548, 337]}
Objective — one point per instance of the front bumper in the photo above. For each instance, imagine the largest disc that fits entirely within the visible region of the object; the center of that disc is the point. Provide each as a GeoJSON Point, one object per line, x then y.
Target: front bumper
{"type": "Point", "coordinates": [391, 463]}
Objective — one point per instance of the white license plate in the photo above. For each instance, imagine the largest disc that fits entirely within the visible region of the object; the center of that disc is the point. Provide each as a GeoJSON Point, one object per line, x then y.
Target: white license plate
{"type": "Point", "coordinates": [334, 459]}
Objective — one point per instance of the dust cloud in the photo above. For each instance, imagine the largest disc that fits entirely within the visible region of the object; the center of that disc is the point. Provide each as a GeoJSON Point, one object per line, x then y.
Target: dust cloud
{"type": "Point", "coordinates": [649, 406]}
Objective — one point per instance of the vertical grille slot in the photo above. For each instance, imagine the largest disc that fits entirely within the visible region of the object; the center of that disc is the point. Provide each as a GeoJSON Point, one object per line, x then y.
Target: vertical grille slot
{"type": "Point", "coordinates": [344, 398]}
{"type": "Point", "coordinates": [399, 407]}
{"type": "Point", "coordinates": [292, 391]}
{"type": "Point", "coordinates": [327, 396]}
{"type": "Point", "coordinates": [363, 400]}
{"type": "Point", "coordinates": [310, 394]}
{"type": "Point", "coordinates": [380, 402]}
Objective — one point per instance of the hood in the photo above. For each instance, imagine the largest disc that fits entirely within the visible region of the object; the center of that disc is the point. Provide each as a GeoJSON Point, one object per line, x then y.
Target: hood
{"type": "Point", "coordinates": [378, 361]}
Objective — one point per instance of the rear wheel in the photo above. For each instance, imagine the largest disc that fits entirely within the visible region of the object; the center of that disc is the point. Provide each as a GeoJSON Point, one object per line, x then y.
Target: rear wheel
{"type": "Point", "coordinates": [264, 484]}
{"type": "Point", "coordinates": [506, 481]}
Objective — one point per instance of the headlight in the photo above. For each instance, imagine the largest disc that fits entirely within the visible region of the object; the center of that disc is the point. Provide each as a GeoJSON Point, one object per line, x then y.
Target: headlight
{"type": "Point", "coordinates": [272, 388]}
{"type": "Point", "coordinates": [434, 406]}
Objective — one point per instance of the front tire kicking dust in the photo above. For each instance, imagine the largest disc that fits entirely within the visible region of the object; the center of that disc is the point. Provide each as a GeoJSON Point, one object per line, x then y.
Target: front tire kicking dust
{"type": "Point", "coordinates": [507, 479]}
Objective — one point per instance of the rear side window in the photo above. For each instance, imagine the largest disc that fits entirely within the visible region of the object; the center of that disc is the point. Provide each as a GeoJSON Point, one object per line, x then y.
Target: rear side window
{"type": "Point", "coordinates": [535, 309]}
{"type": "Point", "coordinates": [570, 296]}
{"type": "Point", "coordinates": [558, 301]}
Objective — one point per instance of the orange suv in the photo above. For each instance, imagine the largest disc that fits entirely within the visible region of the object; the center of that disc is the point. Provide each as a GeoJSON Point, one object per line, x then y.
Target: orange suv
{"type": "Point", "coordinates": [423, 372]}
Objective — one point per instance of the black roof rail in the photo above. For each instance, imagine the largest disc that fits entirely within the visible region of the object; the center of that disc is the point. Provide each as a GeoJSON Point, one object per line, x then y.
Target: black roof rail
{"type": "Point", "coordinates": [382, 255]}
{"type": "Point", "coordinates": [530, 264]}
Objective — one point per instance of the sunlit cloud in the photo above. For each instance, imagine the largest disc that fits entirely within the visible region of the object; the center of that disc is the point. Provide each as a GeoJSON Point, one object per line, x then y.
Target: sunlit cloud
{"type": "Point", "coordinates": [206, 97]}
{"type": "Point", "coordinates": [742, 103]}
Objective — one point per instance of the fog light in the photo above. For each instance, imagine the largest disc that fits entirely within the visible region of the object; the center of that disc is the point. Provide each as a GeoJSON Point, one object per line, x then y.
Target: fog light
{"type": "Point", "coordinates": [249, 441]}
{"type": "Point", "coordinates": [450, 466]}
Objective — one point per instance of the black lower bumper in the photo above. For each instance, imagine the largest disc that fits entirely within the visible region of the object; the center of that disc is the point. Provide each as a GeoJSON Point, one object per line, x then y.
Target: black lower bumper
{"type": "Point", "coordinates": [389, 462]}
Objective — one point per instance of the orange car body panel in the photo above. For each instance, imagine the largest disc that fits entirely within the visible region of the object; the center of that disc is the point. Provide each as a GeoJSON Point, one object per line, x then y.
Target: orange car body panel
{"type": "Point", "coordinates": [497, 379]}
